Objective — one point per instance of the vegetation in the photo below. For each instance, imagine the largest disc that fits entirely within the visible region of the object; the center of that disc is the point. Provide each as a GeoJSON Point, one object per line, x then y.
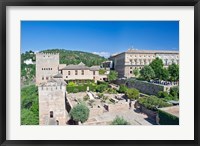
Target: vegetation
{"type": "Point", "coordinates": [174, 91]}
{"type": "Point", "coordinates": [136, 72]}
{"type": "Point", "coordinates": [173, 72]}
{"type": "Point", "coordinates": [172, 95]}
{"type": "Point", "coordinates": [113, 75]}
{"type": "Point", "coordinates": [119, 121]}
{"type": "Point", "coordinates": [147, 73]}
{"type": "Point", "coordinates": [29, 106]}
{"type": "Point", "coordinates": [80, 87]}
{"type": "Point", "coordinates": [157, 66]}
{"type": "Point", "coordinates": [102, 71]}
{"type": "Point", "coordinates": [122, 89]}
{"type": "Point", "coordinates": [75, 57]}
{"type": "Point", "coordinates": [153, 102]}
{"type": "Point", "coordinates": [132, 93]}
{"type": "Point", "coordinates": [167, 119]}
{"type": "Point", "coordinates": [80, 112]}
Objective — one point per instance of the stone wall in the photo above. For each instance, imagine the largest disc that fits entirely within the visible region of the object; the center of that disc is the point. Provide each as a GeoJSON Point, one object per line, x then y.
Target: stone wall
{"type": "Point", "coordinates": [52, 99]}
{"type": "Point", "coordinates": [146, 87]}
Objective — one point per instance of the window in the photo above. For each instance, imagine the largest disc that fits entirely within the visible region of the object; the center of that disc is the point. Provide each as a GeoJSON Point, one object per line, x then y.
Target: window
{"type": "Point", "coordinates": [93, 72]}
{"type": "Point", "coordinates": [42, 68]}
{"type": "Point", "coordinates": [76, 72]}
{"type": "Point", "coordinates": [57, 122]}
{"type": "Point", "coordinates": [82, 72]}
{"type": "Point", "coordinates": [68, 72]}
{"type": "Point", "coordinates": [66, 76]}
{"type": "Point", "coordinates": [42, 78]}
{"type": "Point", "coordinates": [130, 67]}
{"type": "Point", "coordinates": [131, 72]}
{"type": "Point", "coordinates": [47, 78]}
{"type": "Point", "coordinates": [51, 114]}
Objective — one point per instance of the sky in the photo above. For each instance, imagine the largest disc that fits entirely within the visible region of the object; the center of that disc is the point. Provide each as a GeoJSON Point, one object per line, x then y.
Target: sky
{"type": "Point", "coordinates": [99, 37]}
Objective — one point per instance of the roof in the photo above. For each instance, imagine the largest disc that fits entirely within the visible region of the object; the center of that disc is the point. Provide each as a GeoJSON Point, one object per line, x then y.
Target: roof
{"type": "Point", "coordinates": [80, 66]}
{"type": "Point", "coordinates": [173, 110]}
{"type": "Point", "coordinates": [94, 67]}
{"type": "Point", "coordinates": [54, 82]}
{"type": "Point", "coordinates": [75, 67]}
{"type": "Point", "coordinates": [130, 51]}
{"type": "Point", "coordinates": [59, 75]}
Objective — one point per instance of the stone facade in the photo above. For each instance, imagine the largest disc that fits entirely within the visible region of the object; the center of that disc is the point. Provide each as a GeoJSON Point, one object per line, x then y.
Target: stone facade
{"type": "Point", "coordinates": [52, 102]}
{"type": "Point", "coordinates": [125, 62]}
{"type": "Point", "coordinates": [82, 72]}
{"type": "Point", "coordinates": [46, 66]}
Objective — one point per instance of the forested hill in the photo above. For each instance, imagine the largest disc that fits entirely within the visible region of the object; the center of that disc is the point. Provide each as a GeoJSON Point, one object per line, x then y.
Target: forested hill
{"type": "Point", "coordinates": [75, 57]}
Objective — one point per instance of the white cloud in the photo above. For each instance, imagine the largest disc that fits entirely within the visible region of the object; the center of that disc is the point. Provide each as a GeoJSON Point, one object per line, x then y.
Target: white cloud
{"type": "Point", "coordinates": [104, 54]}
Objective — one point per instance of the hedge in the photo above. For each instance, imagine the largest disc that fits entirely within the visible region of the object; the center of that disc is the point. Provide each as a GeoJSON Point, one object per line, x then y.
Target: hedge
{"type": "Point", "coordinates": [167, 119]}
{"type": "Point", "coordinates": [81, 88]}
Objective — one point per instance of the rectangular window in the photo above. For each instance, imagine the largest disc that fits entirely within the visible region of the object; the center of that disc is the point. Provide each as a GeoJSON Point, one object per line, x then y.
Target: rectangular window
{"type": "Point", "coordinates": [82, 72]}
{"type": "Point", "coordinates": [42, 78]}
{"type": "Point", "coordinates": [93, 72]}
{"type": "Point", "coordinates": [76, 72]}
{"type": "Point", "coordinates": [68, 72]}
{"type": "Point", "coordinates": [47, 78]}
{"type": "Point", "coordinates": [51, 114]}
{"type": "Point", "coordinates": [131, 72]}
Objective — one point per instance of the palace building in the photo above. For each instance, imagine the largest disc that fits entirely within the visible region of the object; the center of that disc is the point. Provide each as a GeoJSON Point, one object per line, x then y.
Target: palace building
{"type": "Point", "coordinates": [124, 63]}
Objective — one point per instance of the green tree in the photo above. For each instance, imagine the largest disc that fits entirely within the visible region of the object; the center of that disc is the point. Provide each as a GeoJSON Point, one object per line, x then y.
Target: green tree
{"type": "Point", "coordinates": [173, 72]}
{"type": "Point", "coordinates": [80, 112]}
{"type": "Point", "coordinates": [164, 74]}
{"type": "Point", "coordinates": [119, 121]}
{"type": "Point", "coordinates": [29, 118]}
{"type": "Point", "coordinates": [113, 75]}
{"type": "Point", "coordinates": [147, 72]}
{"type": "Point", "coordinates": [157, 66]}
{"type": "Point", "coordinates": [136, 72]}
{"type": "Point", "coordinates": [132, 93]}
{"type": "Point", "coordinates": [174, 91]}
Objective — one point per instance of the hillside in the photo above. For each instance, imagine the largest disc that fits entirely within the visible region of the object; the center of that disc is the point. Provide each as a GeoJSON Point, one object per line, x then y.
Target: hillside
{"type": "Point", "coordinates": [66, 57]}
{"type": "Point", "coordinates": [75, 57]}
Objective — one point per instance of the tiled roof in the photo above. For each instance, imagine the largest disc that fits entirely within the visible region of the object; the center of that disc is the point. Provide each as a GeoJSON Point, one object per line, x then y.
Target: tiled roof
{"type": "Point", "coordinates": [59, 75]}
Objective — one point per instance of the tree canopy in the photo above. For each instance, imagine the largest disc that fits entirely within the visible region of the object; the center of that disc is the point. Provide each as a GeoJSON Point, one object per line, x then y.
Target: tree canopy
{"type": "Point", "coordinates": [113, 75]}
{"type": "Point", "coordinates": [80, 112]}
{"type": "Point", "coordinates": [119, 121]}
{"type": "Point", "coordinates": [147, 72]}
{"type": "Point", "coordinates": [173, 72]}
{"type": "Point", "coordinates": [157, 66]}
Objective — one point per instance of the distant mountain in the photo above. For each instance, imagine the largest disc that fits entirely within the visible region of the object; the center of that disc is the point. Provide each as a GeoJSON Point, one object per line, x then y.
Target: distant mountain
{"type": "Point", "coordinates": [75, 57]}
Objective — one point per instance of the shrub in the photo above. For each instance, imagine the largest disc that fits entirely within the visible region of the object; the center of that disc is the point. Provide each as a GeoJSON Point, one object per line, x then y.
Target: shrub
{"type": "Point", "coordinates": [101, 87]}
{"type": "Point", "coordinates": [111, 91]}
{"type": "Point", "coordinates": [119, 121]}
{"type": "Point", "coordinates": [132, 93]}
{"type": "Point", "coordinates": [80, 112]}
{"type": "Point", "coordinates": [174, 91]}
{"type": "Point", "coordinates": [153, 102]}
{"type": "Point", "coordinates": [102, 71]}
{"type": "Point", "coordinates": [122, 89]}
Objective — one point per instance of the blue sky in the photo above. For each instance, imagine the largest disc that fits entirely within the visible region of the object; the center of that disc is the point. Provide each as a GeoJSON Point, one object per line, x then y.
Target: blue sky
{"type": "Point", "coordinates": [103, 37]}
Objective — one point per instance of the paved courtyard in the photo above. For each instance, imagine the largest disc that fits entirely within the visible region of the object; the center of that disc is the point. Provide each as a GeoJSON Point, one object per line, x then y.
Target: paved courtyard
{"type": "Point", "coordinates": [100, 116]}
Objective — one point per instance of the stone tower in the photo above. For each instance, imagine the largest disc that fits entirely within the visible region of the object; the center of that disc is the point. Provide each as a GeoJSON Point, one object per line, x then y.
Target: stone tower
{"type": "Point", "coordinates": [52, 102]}
{"type": "Point", "coordinates": [46, 66]}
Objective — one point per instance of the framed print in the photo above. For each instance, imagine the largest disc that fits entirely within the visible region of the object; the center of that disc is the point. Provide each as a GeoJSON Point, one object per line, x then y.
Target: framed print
{"type": "Point", "coordinates": [99, 72]}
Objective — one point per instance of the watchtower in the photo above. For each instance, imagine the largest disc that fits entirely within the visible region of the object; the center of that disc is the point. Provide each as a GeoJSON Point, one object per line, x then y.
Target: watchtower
{"type": "Point", "coordinates": [46, 66]}
{"type": "Point", "coordinates": [52, 102]}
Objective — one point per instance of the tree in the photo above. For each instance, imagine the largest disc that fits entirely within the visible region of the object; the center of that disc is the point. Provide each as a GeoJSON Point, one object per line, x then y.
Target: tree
{"type": "Point", "coordinates": [164, 74]}
{"type": "Point", "coordinates": [102, 71]}
{"type": "Point", "coordinates": [113, 75]}
{"type": "Point", "coordinates": [157, 66]}
{"type": "Point", "coordinates": [147, 72]}
{"type": "Point", "coordinates": [136, 72]}
{"type": "Point", "coordinates": [174, 91]}
{"type": "Point", "coordinates": [119, 121]}
{"type": "Point", "coordinates": [132, 93]}
{"type": "Point", "coordinates": [80, 112]}
{"type": "Point", "coordinates": [173, 72]}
